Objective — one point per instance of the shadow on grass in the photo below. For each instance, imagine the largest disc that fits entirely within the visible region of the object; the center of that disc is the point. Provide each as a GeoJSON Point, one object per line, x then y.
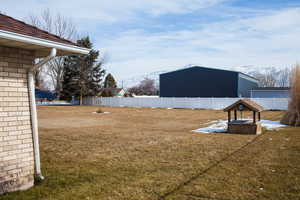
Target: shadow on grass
{"type": "Point", "coordinates": [203, 172]}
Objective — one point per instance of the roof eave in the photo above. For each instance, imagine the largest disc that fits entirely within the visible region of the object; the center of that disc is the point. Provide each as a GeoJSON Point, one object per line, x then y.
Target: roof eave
{"type": "Point", "coordinates": [70, 49]}
{"type": "Point", "coordinates": [251, 78]}
{"type": "Point", "coordinates": [245, 103]}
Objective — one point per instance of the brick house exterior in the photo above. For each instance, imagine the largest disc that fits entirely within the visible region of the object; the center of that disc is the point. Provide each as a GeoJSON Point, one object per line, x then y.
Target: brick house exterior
{"type": "Point", "coordinates": [16, 146]}
{"type": "Point", "coordinates": [20, 45]}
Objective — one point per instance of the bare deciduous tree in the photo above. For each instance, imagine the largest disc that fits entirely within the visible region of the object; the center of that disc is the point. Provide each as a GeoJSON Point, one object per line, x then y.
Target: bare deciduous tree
{"type": "Point", "coordinates": [274, 78]}
{"type": "Point", "coordinates": [284, 77]}
{"type": "Point", "coordinates": [292, 116]}
{"type": "Point", "coordinates": [62, 27]}
{"type": "Point", "coordinates": [267, 79]}
{"type": "Point", "coordinates": [145, 87]}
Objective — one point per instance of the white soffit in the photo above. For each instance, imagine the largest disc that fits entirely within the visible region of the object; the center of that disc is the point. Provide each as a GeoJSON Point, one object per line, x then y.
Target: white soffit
{"type": "Point", "coordinates": [41, 46]}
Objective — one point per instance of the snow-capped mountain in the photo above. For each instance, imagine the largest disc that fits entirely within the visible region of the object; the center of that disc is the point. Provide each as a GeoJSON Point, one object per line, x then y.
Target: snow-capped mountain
{"type": "Point", "coordinates": [252, 70]}
{"type": "Point", "coordinates": [153, 75]}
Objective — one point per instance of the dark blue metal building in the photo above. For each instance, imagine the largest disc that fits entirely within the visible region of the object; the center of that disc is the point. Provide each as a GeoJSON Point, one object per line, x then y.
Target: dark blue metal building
{"type": "Point", "coordinates": [206, 82]}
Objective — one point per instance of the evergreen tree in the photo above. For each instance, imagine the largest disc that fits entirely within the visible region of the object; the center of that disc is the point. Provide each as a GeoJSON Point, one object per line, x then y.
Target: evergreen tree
{"type": "Point", "coordinates": [70, 79]}
{"type": "Point", "coordinates": [110, 82]}
{"type": "Point", "coordinates": [107, 93]}
{"type": "Point", "coordinates": [83, 74]}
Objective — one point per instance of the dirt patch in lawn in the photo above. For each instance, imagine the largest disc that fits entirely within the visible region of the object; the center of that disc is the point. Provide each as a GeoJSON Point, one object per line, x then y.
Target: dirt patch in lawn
{"type": "Point", "coordinates": [137, 153]}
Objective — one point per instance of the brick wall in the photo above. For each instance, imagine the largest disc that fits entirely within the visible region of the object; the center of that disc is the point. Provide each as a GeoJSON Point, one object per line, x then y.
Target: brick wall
{"type": "Point", "coordinates": [16, 145]}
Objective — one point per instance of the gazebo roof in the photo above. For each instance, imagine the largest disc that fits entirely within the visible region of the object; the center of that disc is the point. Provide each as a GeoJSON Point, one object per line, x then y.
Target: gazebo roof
{"type": "Point", "coordinates": [251, 105]}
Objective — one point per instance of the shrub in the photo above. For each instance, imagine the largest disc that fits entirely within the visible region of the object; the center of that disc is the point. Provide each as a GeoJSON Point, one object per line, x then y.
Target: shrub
{"type": "Point", "coordinates": [107, 93]}
{"type": "Point", "coordinates": [292, 116]}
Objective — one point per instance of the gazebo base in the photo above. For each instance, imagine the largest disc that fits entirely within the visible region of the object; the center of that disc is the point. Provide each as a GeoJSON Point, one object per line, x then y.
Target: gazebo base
{"type": "Point", "coordinates": [244, 127]}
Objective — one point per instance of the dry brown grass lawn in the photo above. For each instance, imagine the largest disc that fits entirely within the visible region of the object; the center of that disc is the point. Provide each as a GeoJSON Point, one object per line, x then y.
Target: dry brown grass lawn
{"type": "Point", "coordinates": [149, 154]}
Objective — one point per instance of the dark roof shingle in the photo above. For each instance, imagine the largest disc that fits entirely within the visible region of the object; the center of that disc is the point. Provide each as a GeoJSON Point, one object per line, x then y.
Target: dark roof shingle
{"type": "Point", "coordinates": [10, 24]}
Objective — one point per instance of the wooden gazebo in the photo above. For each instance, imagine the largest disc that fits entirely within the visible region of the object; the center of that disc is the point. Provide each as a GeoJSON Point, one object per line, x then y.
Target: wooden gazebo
{"type": "Point", "coordinates": [244, 125]}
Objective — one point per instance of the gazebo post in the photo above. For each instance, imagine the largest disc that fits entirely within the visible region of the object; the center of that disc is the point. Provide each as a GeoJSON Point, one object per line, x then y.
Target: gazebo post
{"type": "Point", "coordinates": [254, 117]}
{"type": "Point", "coordinates": [258, 116]}
{"type": "Point", "coordinates": [229, 116]}
{"type": "Point", "coordinates": [235, 115]}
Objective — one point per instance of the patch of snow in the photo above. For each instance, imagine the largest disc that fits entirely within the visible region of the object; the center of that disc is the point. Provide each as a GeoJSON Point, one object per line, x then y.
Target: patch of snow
{"type": "Point", "coordinates": [216, 127]}
{"type": "Point", "coordinates": [145, 96]}
{"type": "Point", "coordinates": [271, 125]}
{"type": "Point", "coordinates": [53, 103]}
{"type": "Point", "coordinates": [212, 122]}
{"type": "Point", "coordinates": [220, 126]}
{"type": "Point", "coordinates": [101, 113]}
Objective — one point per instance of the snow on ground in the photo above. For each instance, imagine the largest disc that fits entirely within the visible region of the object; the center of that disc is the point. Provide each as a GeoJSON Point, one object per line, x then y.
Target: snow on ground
{"type": "Point", "coordinates": [52, 103]}
{"type": "Point", "coordinates": [272, 125]}
{"type": "Point", "coordinates": [220, 126]}
{"type": "Point", "coordinates": [145, 96]}
{"type": "Point", "coordinates": [101, 113]}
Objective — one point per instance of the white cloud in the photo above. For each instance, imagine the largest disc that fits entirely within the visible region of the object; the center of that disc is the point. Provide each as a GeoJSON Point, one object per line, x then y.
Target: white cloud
{"type": "Point", "coordinates": [108, 11]}
{"type": "Point", "coordinates": [244, 36]}
{"type": "Point", "coordinates": [270, 40]}
{"type": "Point", "coordinates": [278, 21]}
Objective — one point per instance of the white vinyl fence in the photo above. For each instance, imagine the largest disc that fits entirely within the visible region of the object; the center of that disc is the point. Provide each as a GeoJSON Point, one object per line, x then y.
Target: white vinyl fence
{"type": "Point", "coordinates": [192, 103]}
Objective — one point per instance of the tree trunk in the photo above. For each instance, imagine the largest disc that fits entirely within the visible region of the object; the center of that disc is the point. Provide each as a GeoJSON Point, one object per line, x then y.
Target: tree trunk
{"type": "Point", "coordinates": [58, 88]}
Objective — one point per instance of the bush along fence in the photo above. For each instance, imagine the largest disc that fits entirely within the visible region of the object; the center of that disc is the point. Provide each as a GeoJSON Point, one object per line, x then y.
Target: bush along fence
{"type": "Point", "coordinates": [191, 103]}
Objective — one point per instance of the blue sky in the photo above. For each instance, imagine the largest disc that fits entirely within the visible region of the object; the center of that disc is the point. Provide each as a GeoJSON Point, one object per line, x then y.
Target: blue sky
{"type": "Point", "coordinates": [142, 36]}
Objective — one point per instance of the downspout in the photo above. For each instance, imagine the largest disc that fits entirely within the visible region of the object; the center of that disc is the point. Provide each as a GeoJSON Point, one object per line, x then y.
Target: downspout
{"type": "Point", "coordinates": [33, 113]}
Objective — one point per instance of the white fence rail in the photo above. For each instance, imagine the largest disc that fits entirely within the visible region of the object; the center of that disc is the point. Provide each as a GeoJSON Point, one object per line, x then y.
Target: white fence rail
{"type": "Point", "coordinates": [192, 103]}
